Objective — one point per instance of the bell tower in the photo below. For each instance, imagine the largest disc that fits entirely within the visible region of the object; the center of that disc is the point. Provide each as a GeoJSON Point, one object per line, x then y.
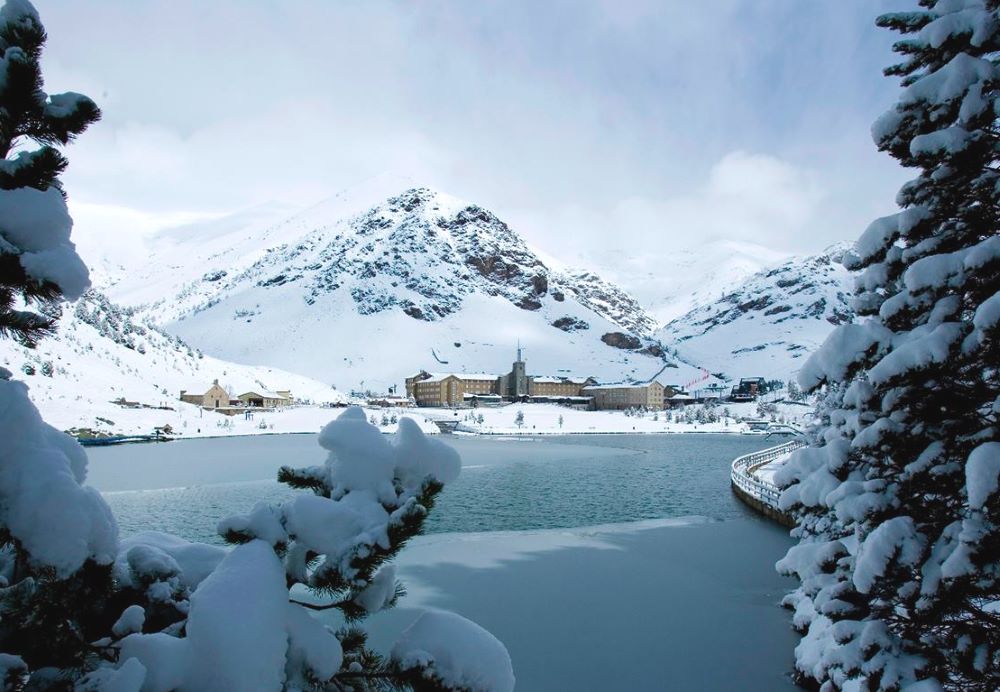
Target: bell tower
{"type": "Point", "coordinates": [519, 377]}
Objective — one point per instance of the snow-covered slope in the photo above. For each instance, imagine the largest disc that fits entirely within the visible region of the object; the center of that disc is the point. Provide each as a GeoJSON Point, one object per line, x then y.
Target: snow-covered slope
{"type": "Point", "coordinates": [671, 281]}
{"type": "Point", "coordinates": [421, 280]}
{"type": "Point", "coordinates": [102, 353]}
{"type": "Point", "coordinates": [160, 265]}
{"type": "Point", "coordinates": [768, 324]}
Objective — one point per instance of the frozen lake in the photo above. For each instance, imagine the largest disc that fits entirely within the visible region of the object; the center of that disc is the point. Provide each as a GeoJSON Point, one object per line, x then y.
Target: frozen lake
{"type": "Point", "coordinates": [579, 552]}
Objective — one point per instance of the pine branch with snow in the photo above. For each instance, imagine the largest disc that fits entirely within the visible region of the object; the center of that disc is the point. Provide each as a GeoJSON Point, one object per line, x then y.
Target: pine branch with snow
{"type": "Point", "coordinates": [38, 262]}
{"type": "Point", "coordinates": [897, 499]}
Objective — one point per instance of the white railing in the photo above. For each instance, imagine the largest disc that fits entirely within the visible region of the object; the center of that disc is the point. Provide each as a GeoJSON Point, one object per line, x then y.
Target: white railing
{"type": "Point", "coordinates": [744, 478]}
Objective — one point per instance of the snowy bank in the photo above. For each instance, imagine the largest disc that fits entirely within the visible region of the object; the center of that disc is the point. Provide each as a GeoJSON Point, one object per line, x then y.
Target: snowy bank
{"type": "Point", "coordinates": [552, 419]}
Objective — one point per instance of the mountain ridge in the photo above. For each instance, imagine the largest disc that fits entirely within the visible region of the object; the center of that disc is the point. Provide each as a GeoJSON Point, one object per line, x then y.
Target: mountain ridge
{"type": "Point", "coordinates": [769, 323]}
{"type": "Point", "coordinates": [445, 266]}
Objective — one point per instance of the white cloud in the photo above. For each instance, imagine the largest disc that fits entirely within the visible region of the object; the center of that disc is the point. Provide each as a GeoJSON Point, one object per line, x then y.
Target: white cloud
{"type": "Point", "coordinates": [594, 128]}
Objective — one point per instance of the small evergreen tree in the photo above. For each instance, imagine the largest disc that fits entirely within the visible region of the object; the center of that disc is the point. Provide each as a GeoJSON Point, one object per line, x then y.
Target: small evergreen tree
{"type": "Point", "coordinates": [38, 264]}
{"type": "Point", "coordinates": [897, 499]}
{"type": "Point", "coordinates": [393, 486]}
{"type": "Point", "coordinates": [519, 419]}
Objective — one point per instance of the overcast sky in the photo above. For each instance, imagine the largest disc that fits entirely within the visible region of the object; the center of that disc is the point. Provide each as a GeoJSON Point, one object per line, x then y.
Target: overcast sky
{"type": "Point", "coordinates": [590, 126]}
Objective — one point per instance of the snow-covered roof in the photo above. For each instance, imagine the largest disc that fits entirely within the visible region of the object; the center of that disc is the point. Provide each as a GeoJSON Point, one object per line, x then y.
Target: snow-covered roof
{"type": "Point", "coordinates": [619, 385]}
{"type": "Point", "coordinates": [439, 376]}
{"type": "Point", "coordinates": [549, 397]}
{"type": "Point", "coordinates": [263, 393]}
{"type": "Point", "coordinates": [199, 387]}
{"type": "Point", "coordinates": [681, 397]}
{"type": "Point", "coordinates": [547, 379]}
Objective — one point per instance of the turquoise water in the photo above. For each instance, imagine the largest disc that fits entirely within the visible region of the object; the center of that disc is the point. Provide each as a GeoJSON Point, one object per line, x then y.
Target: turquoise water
{"type": "Point", "coordinates": [186, 487]}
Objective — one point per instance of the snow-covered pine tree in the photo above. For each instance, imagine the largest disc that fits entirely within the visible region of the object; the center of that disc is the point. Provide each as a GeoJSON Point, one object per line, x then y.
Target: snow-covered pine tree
{"type": "Point", "coordinates": [897, 499]}
{"type": "Point", "coordinates": [38, 263]}
{"type": "Point", "coordinates": [57, 537]}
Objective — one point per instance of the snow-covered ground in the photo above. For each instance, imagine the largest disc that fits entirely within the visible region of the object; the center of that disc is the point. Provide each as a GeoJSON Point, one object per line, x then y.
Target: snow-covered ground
{"type": "Point", "coordinates": [190, 421]}
{"type": "Point", "coordinates": [102, 354]}
{"type": "Point", "coordinates": [552, 419]}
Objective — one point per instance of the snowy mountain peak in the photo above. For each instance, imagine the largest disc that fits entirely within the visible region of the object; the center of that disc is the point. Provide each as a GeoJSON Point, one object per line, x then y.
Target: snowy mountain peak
{"type": "Point", "coordinates": [420, 252]}
{"type": "Point", "coordinates": [446, 278]}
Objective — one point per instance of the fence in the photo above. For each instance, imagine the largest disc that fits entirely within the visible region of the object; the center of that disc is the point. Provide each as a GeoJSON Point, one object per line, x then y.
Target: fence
{"type": "Point", "coordinates": [750, 487]}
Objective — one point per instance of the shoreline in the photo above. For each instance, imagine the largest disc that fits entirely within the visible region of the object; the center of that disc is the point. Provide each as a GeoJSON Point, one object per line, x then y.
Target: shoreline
{"type": "Point", "coordinates": [524, 421]}
{"type": "Point", "coordinates": [457, 433]}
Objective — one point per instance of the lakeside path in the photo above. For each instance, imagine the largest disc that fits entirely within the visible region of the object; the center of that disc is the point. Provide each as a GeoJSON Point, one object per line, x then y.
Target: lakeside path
{"type": "Point", "coordinates": [682, 604]}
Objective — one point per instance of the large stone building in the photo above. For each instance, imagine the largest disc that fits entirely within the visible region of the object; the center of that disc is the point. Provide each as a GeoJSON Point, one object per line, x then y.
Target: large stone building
{"type": "Point", "coordinates": [461, 389]}
{"type": "Point", "coordinates": [623, 396]}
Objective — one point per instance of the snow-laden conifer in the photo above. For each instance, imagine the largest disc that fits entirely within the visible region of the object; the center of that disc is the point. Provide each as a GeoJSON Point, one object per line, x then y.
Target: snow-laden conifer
{"type": "Point", "coordinates": [38, 263]}
{"type": "Point", "coordinates": [57, 536]}
{"type": "Point", "coordinates": [897, 499]}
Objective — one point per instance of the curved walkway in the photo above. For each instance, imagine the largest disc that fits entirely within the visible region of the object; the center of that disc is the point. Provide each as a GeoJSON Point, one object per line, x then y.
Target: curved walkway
{"type": "Point", "coordinates": [758, 493]}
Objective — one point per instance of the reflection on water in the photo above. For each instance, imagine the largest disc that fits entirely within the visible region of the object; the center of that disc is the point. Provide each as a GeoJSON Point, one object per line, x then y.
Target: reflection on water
{"type": "Point", "coordinates": [550, 482]}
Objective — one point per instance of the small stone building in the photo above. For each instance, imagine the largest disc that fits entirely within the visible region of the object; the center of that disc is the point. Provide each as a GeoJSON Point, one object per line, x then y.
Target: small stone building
{"type": "Point", "coordinates": [213, 396]}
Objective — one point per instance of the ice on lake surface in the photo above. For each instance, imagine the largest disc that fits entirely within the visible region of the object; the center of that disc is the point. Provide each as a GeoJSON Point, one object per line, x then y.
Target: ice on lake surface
{"type": "Point", "coordinates": [529, 542]}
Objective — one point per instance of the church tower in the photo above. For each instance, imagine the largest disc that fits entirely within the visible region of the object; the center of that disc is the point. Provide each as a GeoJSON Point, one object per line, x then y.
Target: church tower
{"type": "Point", "coordinates": [518, 376]}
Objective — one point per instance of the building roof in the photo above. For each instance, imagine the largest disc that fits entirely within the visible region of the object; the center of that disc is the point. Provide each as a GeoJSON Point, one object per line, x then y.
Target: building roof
{"type": "Point", "coordinates": [262, 393]}
{"type": "Point", "coordinates": [558, 379]}
{"type": "Point", "coordinates": [199, 388]}
{"type": "Point", "coordinates": [619, 385]}
{"type": "Point", "coordinates": [560, 397]}
{"type": "Point", "coordinates": [439, 376]}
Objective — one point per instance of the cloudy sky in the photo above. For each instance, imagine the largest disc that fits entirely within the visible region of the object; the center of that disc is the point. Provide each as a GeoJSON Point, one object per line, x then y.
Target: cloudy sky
{"type": "Point", "coordinates": [598, 128]}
